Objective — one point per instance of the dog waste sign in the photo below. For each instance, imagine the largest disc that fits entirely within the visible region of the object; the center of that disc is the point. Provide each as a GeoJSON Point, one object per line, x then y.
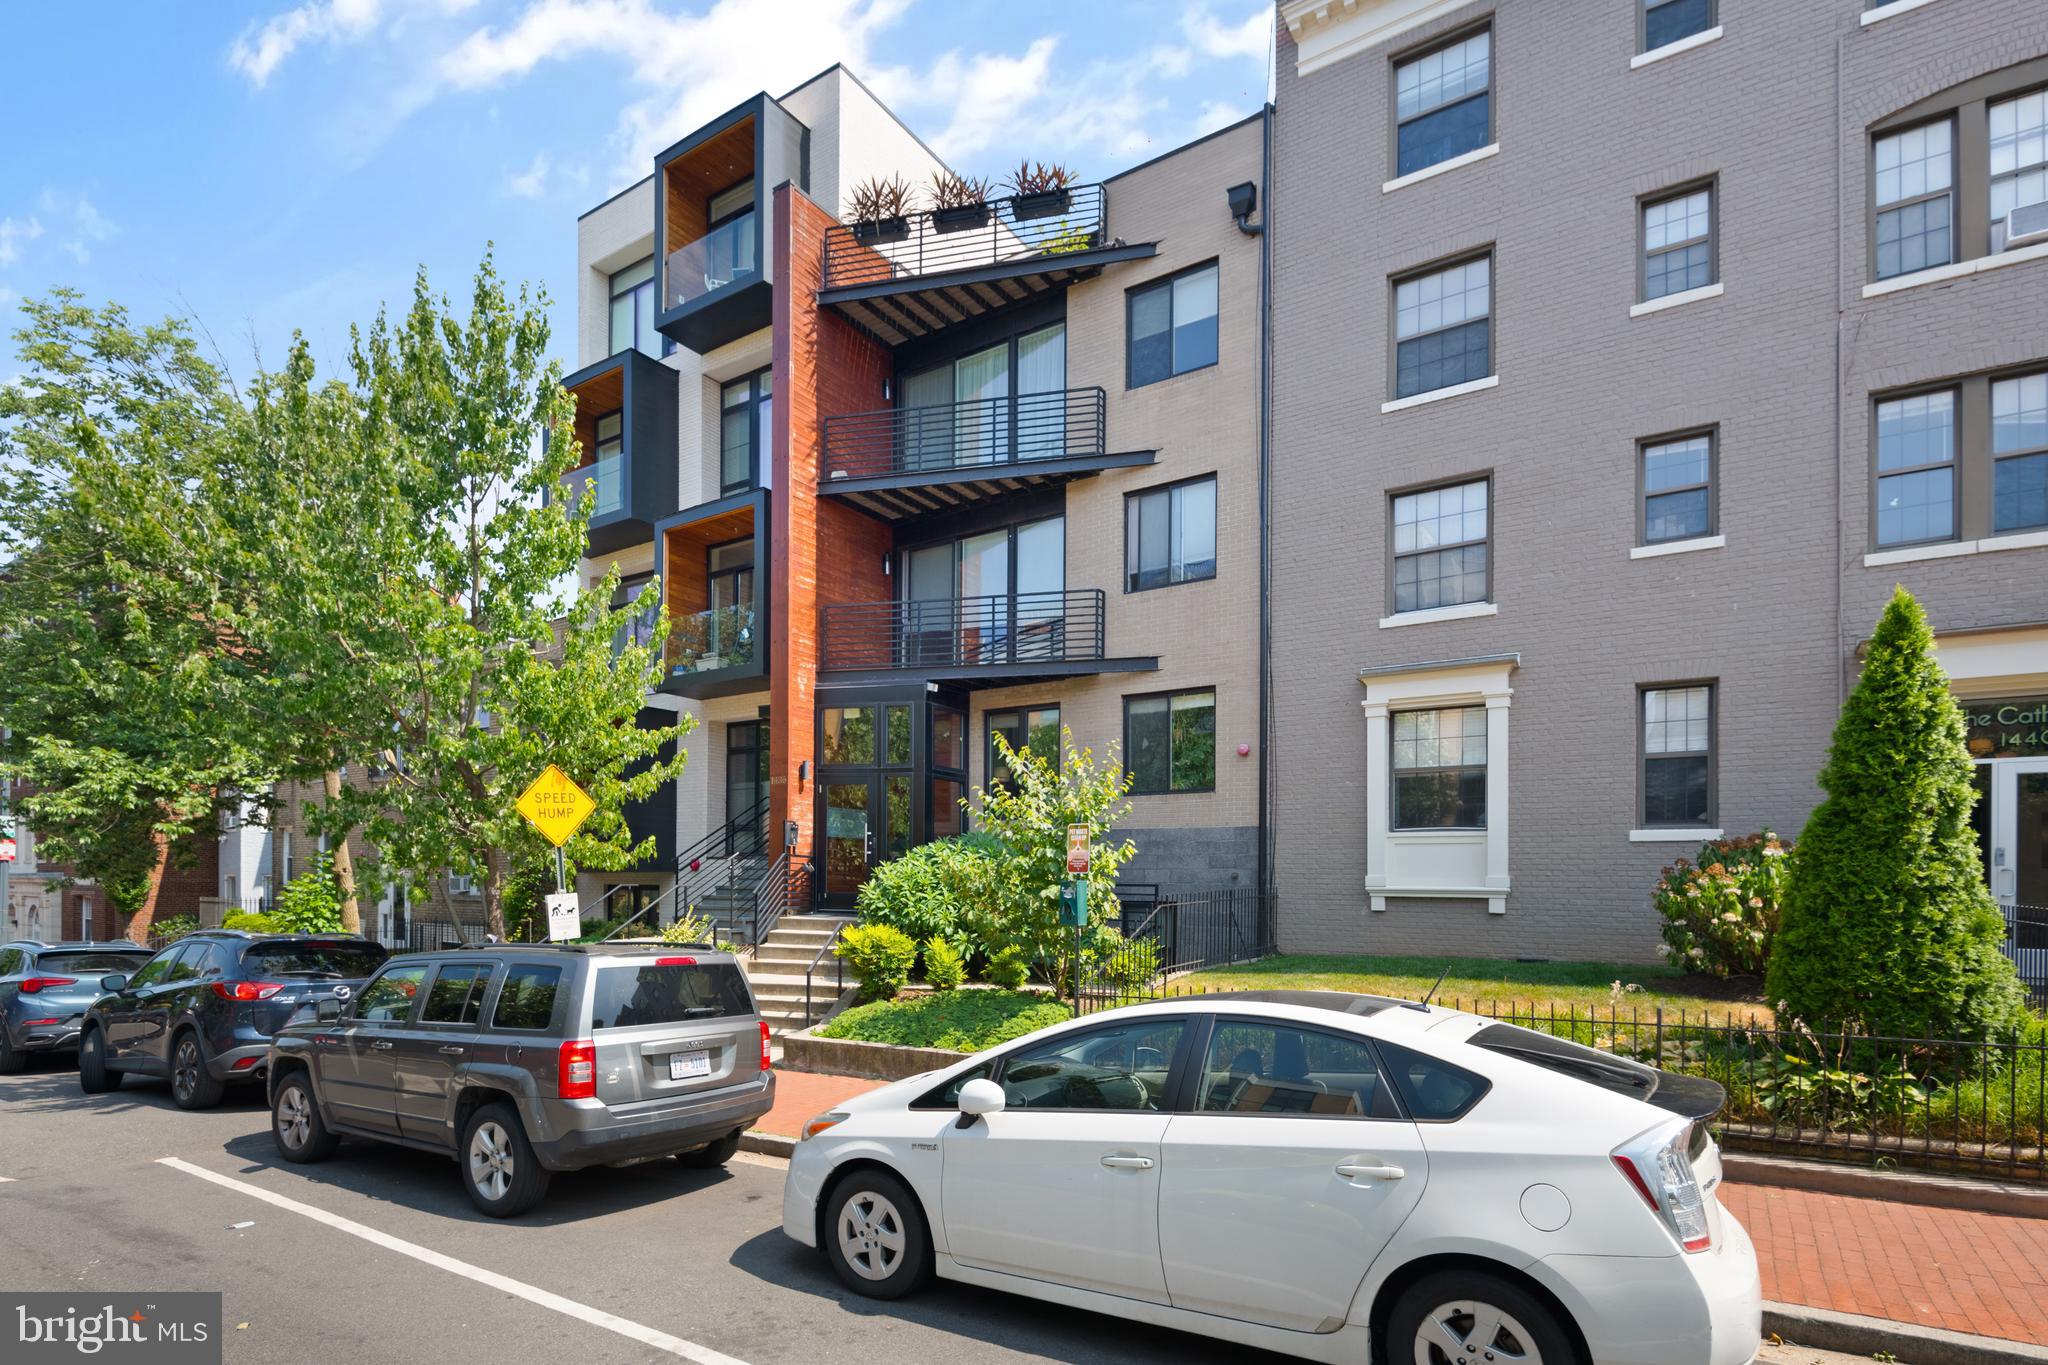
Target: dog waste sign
{"type": "Point", "coordinates": [555, 806]}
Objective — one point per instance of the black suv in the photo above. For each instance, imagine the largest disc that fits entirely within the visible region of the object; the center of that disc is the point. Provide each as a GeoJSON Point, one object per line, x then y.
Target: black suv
{"type": "Point", "coordinates": [202, 1010]}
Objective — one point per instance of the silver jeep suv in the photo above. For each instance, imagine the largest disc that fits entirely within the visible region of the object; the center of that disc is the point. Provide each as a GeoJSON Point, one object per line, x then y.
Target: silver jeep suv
{"type": "Point", "coordinates": [519, 1060]}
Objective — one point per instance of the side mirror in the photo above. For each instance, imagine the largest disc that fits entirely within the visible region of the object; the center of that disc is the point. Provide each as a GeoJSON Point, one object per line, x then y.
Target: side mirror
{"type": "Point", "coordinates": [327, 1011]}
{"type": "Point", "coordinates": [114, 984]}
{"type": "Point", "coordinates": [979, 1097]}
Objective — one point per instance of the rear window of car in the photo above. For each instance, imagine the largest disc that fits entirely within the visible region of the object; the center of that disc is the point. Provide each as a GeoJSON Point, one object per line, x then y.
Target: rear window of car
{"type": "Point", "coordinates": [1567, 1058]}
{"type": "Point", "coordinates": [91, 961]}
{"type": "Point", "coordinates": [676, 993]}
{"type": "Point", "coordinates": [292, 958]}
{"type": "Point", "coordinates": [527, 999]}
{"type": "Point", "coordinates": [1434, 1090]}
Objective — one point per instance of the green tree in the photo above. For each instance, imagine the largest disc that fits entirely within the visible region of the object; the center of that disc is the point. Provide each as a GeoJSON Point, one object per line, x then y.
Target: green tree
{"type": "Point", "coordinates": [310, 902]}
{"type": "Point", "coordinates": [1887, 924]}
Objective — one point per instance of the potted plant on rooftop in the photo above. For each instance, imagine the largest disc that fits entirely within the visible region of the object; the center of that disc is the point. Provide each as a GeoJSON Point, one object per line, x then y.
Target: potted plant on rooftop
{"type": "Point", "coordinates": [959, 203]}
{"type": "Point", "coordinates": [1041, 191]}
{"type": "Point", "coordinates": [881, 210]}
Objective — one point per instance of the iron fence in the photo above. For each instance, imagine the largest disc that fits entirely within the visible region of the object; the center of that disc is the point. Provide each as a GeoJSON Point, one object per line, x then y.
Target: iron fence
{"type": "Point", "coordinates": [979, 437]}
{"type": "Point", "coordinates": [1019, 628]}
{"type": "Point", "coordinates": [1016, 229]}
{"type": "Point", "coordinates": [2026, 943]}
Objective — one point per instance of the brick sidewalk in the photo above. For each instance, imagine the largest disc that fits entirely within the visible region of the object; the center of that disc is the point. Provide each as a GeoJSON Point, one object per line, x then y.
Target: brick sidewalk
{"type": "Point", "coordinates": [801, 1096]}
{"type": "Point", "coordinates": [1982, 1273]}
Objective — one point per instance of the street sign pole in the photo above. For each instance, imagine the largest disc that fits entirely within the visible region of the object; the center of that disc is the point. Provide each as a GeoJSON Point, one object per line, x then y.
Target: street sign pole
{"type": "Point", "coordinates": [557, 807]}
{"type": "Point", "coordinates": [1074, 899]}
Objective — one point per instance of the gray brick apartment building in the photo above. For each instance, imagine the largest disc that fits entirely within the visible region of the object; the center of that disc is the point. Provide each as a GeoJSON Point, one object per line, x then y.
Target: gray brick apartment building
{"type": "Point", "coordinates": [1625, 354]}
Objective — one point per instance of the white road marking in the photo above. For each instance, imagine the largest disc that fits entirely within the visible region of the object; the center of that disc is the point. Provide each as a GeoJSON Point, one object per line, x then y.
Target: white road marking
{"type": "Point", "coordinates": [596, 1317]}
{"type": "Point", "coordinates": [6, 1180]}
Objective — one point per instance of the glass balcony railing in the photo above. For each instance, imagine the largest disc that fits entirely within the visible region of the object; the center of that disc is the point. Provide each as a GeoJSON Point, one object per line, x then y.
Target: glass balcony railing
{"type": "Point", "coordinates": [609, 476]}
{"type": "Point", "coordinates": [721, 257]}
{"type": "Point", "coordinates": [722, 637]}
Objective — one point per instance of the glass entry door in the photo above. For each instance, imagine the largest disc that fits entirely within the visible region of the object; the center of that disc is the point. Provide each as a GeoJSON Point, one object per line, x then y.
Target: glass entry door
{"type": "Point", "coordinates": [746, 784]}
{"type": "Point", "coordinates": [2019, 831]}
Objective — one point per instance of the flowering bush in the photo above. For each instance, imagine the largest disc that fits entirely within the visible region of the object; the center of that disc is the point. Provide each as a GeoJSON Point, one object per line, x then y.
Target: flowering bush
{"type": "Point", "coordinates": [1721, 915]}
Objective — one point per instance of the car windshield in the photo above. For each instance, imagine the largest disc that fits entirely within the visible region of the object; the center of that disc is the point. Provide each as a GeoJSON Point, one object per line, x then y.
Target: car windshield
{"type": "Point", "coordinates": [671, 993]}
{"type": "Point", "coordinates": [90, 960]}
{"type": "Point", "coordinates": [295, 957]}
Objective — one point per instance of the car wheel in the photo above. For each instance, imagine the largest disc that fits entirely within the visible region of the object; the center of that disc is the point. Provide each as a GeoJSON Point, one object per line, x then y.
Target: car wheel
{"type": "Point", "coordinates": [93, 1076]}
{"type": "Point", "coordinates": [192, 1086]}
{"type": "Point", "coordinates": [875, 1236]}
{"type": "Point", "coordinates": [1459, 1317]}
{"type": "Point", "coordinates": [296, 1126]}
{"type": "Point", "coordinates": [499, 1169]}
{"type": "Point", "coordinates": [712, 1154]}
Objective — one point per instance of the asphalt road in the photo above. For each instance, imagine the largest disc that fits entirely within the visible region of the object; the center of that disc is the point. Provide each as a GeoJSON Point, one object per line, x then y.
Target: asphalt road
{"type": "Point", "coordinates": [699, 1257]}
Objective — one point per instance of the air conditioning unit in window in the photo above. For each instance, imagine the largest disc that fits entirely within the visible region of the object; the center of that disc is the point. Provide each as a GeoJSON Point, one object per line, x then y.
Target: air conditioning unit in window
{"type": "Point", "coordinates": [2027, 226]}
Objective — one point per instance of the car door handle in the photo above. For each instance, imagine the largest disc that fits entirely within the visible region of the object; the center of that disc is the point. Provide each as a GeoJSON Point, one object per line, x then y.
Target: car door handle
{"type": "Point", "coordinates": [452, 1051]}
{"type": "Point", "coordinates": [380, 1045]}
{"type": "Point", "coordinates": [1128, 1163]}
{"type": "Point", "coordinates": [1353, 1171]}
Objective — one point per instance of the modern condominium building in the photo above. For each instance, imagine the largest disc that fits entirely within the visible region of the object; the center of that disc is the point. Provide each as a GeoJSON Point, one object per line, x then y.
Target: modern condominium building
{"type": "Point", "coordinates": [908, 484]}
{"type": "Point", "coordinates": [1626, 354]}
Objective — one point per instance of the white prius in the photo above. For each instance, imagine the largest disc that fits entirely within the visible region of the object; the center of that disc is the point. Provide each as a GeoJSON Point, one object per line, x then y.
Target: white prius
{"type": "Point", "coordinates": [1308, 1172]}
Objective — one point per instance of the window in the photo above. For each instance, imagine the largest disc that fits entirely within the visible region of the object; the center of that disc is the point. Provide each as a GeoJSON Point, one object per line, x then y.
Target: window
{"type": "Point", "coordinates": [633, 312]}
{"type": "Point", "coordinates": [2019, 158]}
{"type": "Point", "coordinates": [389, 998]}
{"type": "Point", "coordinates": [1000, 403]}
{"type": "Point", "coordinates": [1031, 730]}
{"type": "Point", "coordinates": [1281, 1069]}
{"type": "Point", "coordinates": [1443, 327]}
{"type": "Point", "coordinates": [1434, 1091]}
{"type": "Point", "coordinates": [1443, 102]}
{"type": "Point", "coordinates": [1125, 1067]}
{"type": "Point", "coordinates": [153, 971]}
{"type": "Point", "coordinates": [284, 842]}
{"type": "Point", "coordinates": [637, 629]}
{"type": "Point", "coordinates": [1677, 480]}
{"type": "Point", "coordinates": [610, 494]}
{"type": "Point", "coordinates": [1916, 469]}
{"type": "Point", "coordinates": [527, 999]}
{"type": "Point", "coordinates": [2019, 453]}
{"type": "Point", "coordinates": [1915, 205]}
{"type": "Point", "coordinates": [675, 993]}
{"type": "Point", "coordinates": [1170, 535]}
{"type": "Point", "coordinates": [1171, 742]}
{"type": "Point", "coordinates": [1440, 547]}
{"type": "Point", "coordinates": [1172, 326]}
{"type": "Point", "coordinates": [849, 735]}
{"type": "Point", "coordinates": [1678, 243]}
{"type": "Point", "coordinates": [1440, 768]}
{"type": "Point", "coordinates": [746, 417]}
{"type": "Point", "coordinates": [457, 995]}
{"type": "Point", "coordinates": [995, 596]}
{"type": "Point", "coordinates": [1667, 21]}
{"type": "Point", "coordinates": [1678, 755]}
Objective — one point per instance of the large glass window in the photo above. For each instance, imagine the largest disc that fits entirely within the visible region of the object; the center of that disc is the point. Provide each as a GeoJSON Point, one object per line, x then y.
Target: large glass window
{"type": "Point", "coordinates": [1034, 729]}
{"type": "Point", "coordinates": [1004, 402]}
{"type": "Point", "coordinates": [1170, 534]}
{"type": "Point", "coordinates": [2019, 453]}
{"type": "Point", "coordinates": [527, 999]}
{"type": "Point", "coordinates": [606, 468]}
{"type": "Point", "coordinates": [1916, 468]}
{"type": "Point", "coordinates": [1440, 547]}
{"type": "Point", "coordinates": [1443, 102]}
{"type": "Point", "coordinates": [1678, 488]}
{"type": "Point", "coordinates": [1172, 326]}
{"type": "Point", "coordinates": [1667, 21]}
{"type": "Point", "coordinates": [1439, 763]}
{"type": "Point", "coordinates": [1280, 1069]}
{"type": "Point", "coordinates": [1915, 203]}
{"type": "Point", "coordinates": [849, 735]}
{"type": "Point", "coordinates": [1678, 755]}
{"type": "Point", "coordinates": [746, 416]}
{"type": "Point", "coordinates": [388, 999]}
{"type": "Point", "coordinates": [1443, 327]}
{"type": "Point", "coordinates": [1123, 1067]}
{"type": "Point", "coordinates": [637, 629]}
{"type": "Point", "coordinates": [633, 312]}
{"type": "Point", "coordinates": [1170, 742]}
{"type": "Point", "coordinates": [1678, 243]}
{"type": "Point", "coordinates": [2019, 158]}
{"type": "Point", "coordinates": [992, 596]}
{"type": "Point", "coordinates": [457, 995]}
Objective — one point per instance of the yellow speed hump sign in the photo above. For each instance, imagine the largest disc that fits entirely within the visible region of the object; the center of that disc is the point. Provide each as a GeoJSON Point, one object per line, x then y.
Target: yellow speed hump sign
{"type": "Point", "coordinates": [555, 805]}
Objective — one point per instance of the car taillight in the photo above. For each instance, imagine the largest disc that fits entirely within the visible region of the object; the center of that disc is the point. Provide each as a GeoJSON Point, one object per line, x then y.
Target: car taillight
{"type": "Point", "coordinates": [35, 984]}
{"type": "Point", "coordinates": [576, 1071]}
{"type": "Point", "coordinates": [247, 990]}
{"type": "Point", "coordinates": [767, 1063]}
{"type": "Point", "coordinates": [1657, 1168]}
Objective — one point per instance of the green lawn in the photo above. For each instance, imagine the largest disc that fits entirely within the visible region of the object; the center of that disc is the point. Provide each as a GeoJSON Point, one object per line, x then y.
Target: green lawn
{"type": "Point", "coordinates": [1573, 985]}
{"type": "Point", "coordinates": [959, 1021]}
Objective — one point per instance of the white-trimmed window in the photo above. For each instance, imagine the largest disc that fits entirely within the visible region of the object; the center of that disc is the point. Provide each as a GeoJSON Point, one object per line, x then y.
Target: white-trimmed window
{"type": "Point", "coordinates": [1678, 488]}
{"type": "Point", "coordinates": [1443, 102]}
{"type": "Point", "coordinates": [1678, 756]}
{"type": "Point", "coordinates": [1440, 768]}
{"type": "Point", "coordinates": [1678, 243]}
{"type": "Point", "coordinates": [1669, 21]}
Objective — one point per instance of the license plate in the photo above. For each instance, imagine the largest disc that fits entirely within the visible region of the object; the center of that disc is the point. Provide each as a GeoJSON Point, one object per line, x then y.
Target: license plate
{"type": "Point", "coordinates": [685, 1066]}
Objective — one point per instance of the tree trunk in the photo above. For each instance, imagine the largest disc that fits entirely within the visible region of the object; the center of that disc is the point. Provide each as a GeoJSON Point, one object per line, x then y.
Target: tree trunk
{"type": "Point", "coordinates": [145, 914]}
{"type": "Point", "coordinates": [494, 898]}
{"type": "Point", "coordinates": [344, 865]}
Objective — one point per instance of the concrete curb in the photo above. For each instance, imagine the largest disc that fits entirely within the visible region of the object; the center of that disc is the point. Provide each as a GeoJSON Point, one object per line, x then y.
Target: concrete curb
{"type": "Point", "coordinates": [1893, 1187]}
{"type": "Point", "coordinates": [1853, 1334]}
{"type": "Point", "coordinates": [767, 1144]}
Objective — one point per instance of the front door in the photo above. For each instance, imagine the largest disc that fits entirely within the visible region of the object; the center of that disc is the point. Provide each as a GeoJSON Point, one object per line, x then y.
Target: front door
{"type": "Point", "coordinates": [746, 784]}
{"type": "Point", "coordinates": [2019, 831]}
{"type": "Point", "coordinates": [866, 814]}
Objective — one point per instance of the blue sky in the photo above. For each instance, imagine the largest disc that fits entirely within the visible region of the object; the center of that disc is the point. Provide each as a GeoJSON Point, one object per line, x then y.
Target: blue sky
{"type": "Point", "coordinates": [265, 168]}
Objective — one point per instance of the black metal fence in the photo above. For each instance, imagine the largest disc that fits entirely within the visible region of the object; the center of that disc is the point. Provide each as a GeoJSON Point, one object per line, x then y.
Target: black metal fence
{"type": "Point", "coordinates": [937, 242]}
{"type": "Point", "coordinates": [2026, 943]}
{"type": "Point", "coordinates": [1025, 627]}
{"type": "Point", "coordinates": [1164, 936]}
{"type": "Point", "coordinates": [978, 437]}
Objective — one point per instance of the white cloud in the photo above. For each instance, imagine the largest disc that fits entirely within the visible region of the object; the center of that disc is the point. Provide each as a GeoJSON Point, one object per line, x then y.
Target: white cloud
{"type": "Point", "coordinates": [13, 234]}
{"type": "Point", "coordinates": [262, 48]}
{"type": "Point", "coordinates": [987, 95]}
{"type": "Point", "coordinates": [1250, 36]}
{"type": "Point", "coordinates": [1216, 114]}
{"type": "Point", "coordinates": [529, 183]}
{"type": "Point", "coordinates": [85, 223]}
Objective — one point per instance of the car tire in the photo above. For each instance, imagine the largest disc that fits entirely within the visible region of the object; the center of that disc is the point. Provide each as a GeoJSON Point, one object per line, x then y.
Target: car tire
{"type": "Point", "coordinates": [711, 1155]}
{"type": "Point", "coordinates": [499, 1170]}
{"type": "Point", "coordinates": [296, 1127]}
{"type": "Point", "coordinates": [94, 1076]}
{"type": "Point", "coordinates": [12, 1059]}
{"type": "Point", "coordinates": [192, 1085]}
{"type": "Point", "coordinates": [876, 1236]}
{"type": "Point", "coordinates": [1440, 1319]}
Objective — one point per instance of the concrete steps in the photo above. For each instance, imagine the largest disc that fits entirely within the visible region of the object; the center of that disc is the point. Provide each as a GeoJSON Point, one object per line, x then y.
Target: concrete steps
{"type": "Point", "coordinates": [776, 970]}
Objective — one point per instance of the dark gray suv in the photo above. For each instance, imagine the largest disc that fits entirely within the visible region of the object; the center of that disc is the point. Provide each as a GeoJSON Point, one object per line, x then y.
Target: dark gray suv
{"type": "Point", "coordinates": [519, 1060]}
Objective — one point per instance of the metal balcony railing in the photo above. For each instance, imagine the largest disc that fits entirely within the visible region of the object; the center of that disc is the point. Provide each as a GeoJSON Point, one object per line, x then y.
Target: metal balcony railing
{"type": "Point", "coordinates": [1026, 628]}
{"type": "Point", "coordinates": [609, 476]}
{"type": "Point", "coordinates": [722, 637]}
{"type": "Point", "coordinates": [1056, 425]}
{"type": "Point", "coordinates": [720, 257]}
{"type": "Point", "coordinates": [1019, 229]}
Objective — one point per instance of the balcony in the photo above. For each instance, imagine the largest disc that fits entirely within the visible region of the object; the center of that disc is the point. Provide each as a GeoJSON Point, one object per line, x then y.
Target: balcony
{"type": "Point", "coordinates": [973, 641]}
{"type": "Point", "coordinates": [906, 462]}
{"type": "Point", "coordinates": [709, 559]}
{"type": "Point", "coordinates": [722, 257]}
{"type": "Point", "coordinates": [711, 640]}
{"type": "Point", "coordinates": [626, 429]}
{"type": "Point", "coordinates": [909, 278]}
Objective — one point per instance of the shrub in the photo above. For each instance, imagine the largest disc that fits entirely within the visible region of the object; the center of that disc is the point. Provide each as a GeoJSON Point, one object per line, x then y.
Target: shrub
{"type": "Point", "coordinates": [1129, 965]}
{"type": "Point", "coordinates": [934, 890]}
{"type": "Point", "coordinates": [1009, 968]}
{"type": "Point", "coordinates": [1888, 925]}
{"type": "Point", "coordinates": [881, 955]}
{"type": "Point", "coordinates": [944, 968]}
{"type": "Point", "coordinates": [176, 927]}
{"type": "Point", "coordinates": [689, 927]}
{"type": "Point", "coordinates": [1721, 915]}
{"type": "Point", "coordinates": [310, 902]}
{"type": "Point", "coordinates": [959, 1021]}
{"type": "Point", "coordinates": [249, 921]}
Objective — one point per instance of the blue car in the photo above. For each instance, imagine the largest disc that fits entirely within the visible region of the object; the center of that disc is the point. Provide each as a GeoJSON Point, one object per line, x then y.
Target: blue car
{"type": "Point", "coordinates": [45, 989]}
